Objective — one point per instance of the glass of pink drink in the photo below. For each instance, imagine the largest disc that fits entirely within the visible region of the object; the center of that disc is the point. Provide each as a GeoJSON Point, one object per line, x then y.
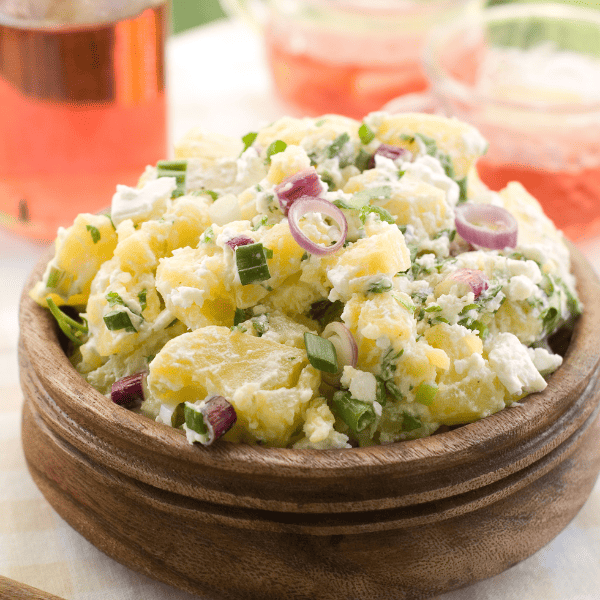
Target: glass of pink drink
{"type": "Point", "coordinates": [528, 77]}
{"type": "Point", "coordinates": [346, 56]}
{"type": "Point", "coordinates": [83, 108]}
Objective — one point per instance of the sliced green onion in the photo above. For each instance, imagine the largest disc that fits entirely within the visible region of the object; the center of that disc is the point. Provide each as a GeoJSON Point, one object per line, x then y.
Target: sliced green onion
{"type": "Point", "coordinates": [426, 393]}
{"type": "Point", "coordinates": [94, 232]}
{"type": "Point", "coordinates": [251, 263]}
{"type": "Point", "coordinates": [194, 419]}
{"type": "Point", "coordinates": [275, 148]}
{"type": "Point", "coordinates": [178, 416]}
{"type": "Point", "coordinates": [321, 353]}
{"type": "Point", "coordinates": [71, 328]}
{"type": "Point", "coordinates": [172, 165]}
{"type": "Point", "coordinates": [366, 134]}
{"type": "Point", "coordinates": [117, 320]}
{"type": "Point", "coordinates": [210, 193]}
{"type": "Point", "coordinates": [356, 414]}
{"type": "Point", "coordinates": [173, 322]}
{"type": "Point", "coordinates": [54, 277]}
{"type": "Point", "coordinates": [179, 175]}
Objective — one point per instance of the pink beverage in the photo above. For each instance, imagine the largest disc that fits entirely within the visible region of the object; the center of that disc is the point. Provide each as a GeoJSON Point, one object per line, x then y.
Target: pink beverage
{"type": "Point", "coordinates": [316, 83]}
{"type": "Point", "coordinates": [83, 107]}
{"type": "Point", "coordinates": [346, 56]}
{"type": "Point", "coordinates": [528, 77]}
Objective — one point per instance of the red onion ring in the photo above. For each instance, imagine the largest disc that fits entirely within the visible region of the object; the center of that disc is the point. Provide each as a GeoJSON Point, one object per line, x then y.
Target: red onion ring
{"type": "Point", "coordinates": [309, 204]}
{"type": "Point", "coordinates": [303, 183]}
{"type": "Point", "coordinates": [486, 225]}
{"type": "Point", "coordinates": [345, 347]}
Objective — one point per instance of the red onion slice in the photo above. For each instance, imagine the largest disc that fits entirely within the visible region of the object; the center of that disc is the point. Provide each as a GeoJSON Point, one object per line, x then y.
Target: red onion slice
{"type": "Point", "coordinates": [486, 225]}
{"type": "Point", "coordinates": [239, 240]}
{"type": "Point", "coordinates": [477, 280]}
{"type": "Point", "coordinates": [345, 348]}
{"type": "Point", "coordinates": [392, 152]}
{"type": "Point", "coordinates": [303, 183]}
{"type": "Point", "coordinates": [306, 205]}
{"type": "Point", "coordinates": [129, 390]}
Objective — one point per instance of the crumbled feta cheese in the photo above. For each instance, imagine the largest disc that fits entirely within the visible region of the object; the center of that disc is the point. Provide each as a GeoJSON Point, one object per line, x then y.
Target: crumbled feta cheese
{"type": "Point", "coordinates": [148, 202]}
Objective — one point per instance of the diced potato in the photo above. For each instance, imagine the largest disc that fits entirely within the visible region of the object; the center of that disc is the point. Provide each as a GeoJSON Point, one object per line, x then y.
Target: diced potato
{"type": "Point", "coordinates": [461, 141]}
{"type": "Point", "coordinates": [80, 251]}
{"type": "Point", "coordinates": [269, 384]}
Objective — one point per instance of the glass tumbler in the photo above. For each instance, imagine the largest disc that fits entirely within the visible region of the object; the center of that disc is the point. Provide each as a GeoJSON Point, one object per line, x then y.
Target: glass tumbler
{"type": "Point", "coordinates": [528, 77]}
{"type": "Point", "coordinates": [83, 107]}
{"type": "Point", "coordinates": [345, 56]}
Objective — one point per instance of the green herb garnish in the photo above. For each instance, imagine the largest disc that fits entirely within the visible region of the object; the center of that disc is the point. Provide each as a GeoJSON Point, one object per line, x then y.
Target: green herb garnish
{"type": "Point", "coordinates": [383, 214]}
{"type": "Point", "coordinates": [248, 140]}
{"type": "Point", "coordinates": [94, 232]}
{"type": "Point", "coordinates": [275, 148]}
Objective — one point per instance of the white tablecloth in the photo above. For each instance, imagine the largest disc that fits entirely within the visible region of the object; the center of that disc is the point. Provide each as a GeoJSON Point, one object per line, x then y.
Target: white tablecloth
{"type": "Point", "coordinates": [218, 81]}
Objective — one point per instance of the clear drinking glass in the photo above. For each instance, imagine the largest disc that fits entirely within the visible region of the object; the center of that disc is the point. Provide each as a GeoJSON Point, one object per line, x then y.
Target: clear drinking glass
{"type": "Point", "coordinates": [82, 91]}
{"type": "Point", "coordinates": [528, 77]}
{"type": "Point", "coordinates": [346, 56]}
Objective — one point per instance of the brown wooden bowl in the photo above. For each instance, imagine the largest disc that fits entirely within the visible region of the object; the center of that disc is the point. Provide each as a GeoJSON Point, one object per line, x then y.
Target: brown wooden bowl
{"type": "Point", "coordinates": [403, 521]}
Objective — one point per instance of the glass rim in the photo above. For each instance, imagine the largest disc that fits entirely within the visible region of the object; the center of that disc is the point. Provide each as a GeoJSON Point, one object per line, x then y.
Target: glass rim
{"type": "Point", "coordinates": [53, 26]}
{"type": "Point", "coordinates": [444, 84]}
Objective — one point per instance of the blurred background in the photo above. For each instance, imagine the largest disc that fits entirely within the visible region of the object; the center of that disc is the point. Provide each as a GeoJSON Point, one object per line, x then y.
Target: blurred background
{"type": "Point", "coordinates": [190, 13]}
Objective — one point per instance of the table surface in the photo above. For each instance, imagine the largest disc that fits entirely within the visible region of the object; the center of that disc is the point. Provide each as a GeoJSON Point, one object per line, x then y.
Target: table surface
{"type": "Point", "coordinates": [217, 81]}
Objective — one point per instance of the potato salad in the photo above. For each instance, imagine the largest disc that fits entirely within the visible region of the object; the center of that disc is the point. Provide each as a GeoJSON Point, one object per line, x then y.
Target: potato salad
{"type": "Point", "coordinates": [321, 283]}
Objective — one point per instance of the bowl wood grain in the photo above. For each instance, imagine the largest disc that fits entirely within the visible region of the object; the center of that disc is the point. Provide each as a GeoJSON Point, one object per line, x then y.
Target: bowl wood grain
{"type": "Point", "coordinates": [404, 521]}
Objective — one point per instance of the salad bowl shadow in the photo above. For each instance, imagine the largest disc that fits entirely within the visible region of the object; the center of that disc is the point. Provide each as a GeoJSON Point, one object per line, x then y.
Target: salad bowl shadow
{"type": "Point", "coordinates": [235, 522]}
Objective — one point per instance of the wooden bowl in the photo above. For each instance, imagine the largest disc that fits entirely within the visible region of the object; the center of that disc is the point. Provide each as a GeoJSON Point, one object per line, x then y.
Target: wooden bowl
{"type": "Point", "coordinates": [403, 521]}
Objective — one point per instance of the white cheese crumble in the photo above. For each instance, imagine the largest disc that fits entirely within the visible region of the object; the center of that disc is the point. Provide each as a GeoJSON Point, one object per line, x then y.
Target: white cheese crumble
{"type": "Point", "coordinates": [148, 202]}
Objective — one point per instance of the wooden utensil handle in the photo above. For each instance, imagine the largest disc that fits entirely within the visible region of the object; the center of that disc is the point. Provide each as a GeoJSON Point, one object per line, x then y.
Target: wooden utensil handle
{"type": "Point", "coordinates": [13, 590]}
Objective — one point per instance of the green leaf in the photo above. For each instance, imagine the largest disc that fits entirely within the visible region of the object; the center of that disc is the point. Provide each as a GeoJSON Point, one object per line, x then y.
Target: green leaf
{"type": "Point", "coordinates": [410, 423]}
{"type": "Point", "coordinates": [249, 139]}
{"type": "Point", "coordinates": [325, 312]}
{"type": "Point", "coordinates": [360, 199]}
{"type": "Point", "coordinates": [142, 299]}
{"type": "Point", "coordinates": [366, 134]}
{"type": "Point", "coordinates": [362, 160]}
{"type": "Point", "coordinates": [383, 214]}
{"type": "Point", "coordinates": [114, 298]}
{"type": "Point", "coordinates": [94, 232]}
{"type": "Point", "coordinates": [388, 363]}
{"type": "Point", "coordinates": [275, 148]}
{"type": "Point", "coordinates": [381, 286]}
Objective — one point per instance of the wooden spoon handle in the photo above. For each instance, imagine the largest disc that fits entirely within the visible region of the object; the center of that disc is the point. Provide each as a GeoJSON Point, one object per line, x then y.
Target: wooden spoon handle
{"type": "Point", "coordinates": [13, 590]}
